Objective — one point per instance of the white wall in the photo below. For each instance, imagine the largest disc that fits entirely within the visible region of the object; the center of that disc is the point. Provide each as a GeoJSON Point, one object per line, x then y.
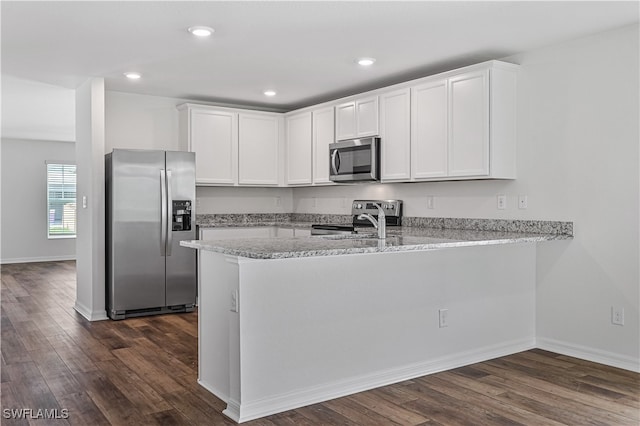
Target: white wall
{"type": "Point", "coordinates": [24, 201]}
{"type": "Point", "coordinates": [243, 200]}
{"type": "Point", "coordinates": [578, 160]}
{"type": "Point", "coordinates": [38, 111]}
{"type": "Point", "coordinates": [581, 114]}
{"type": "Point", "coordinates": [141, 122]}
{"type": "Point", "coordinates": [90, 241]}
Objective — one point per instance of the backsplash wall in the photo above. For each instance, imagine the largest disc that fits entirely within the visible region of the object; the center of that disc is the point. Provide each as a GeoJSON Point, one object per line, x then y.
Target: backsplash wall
{"type": "Point", "coordinates": [451, 199]}
{"type": "Point", "coordinates": [243, 200]}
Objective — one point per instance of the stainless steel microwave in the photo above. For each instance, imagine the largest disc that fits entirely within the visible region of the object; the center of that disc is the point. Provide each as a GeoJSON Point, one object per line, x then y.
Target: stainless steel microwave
{"type": "Point", "coordinates": [355, 160]}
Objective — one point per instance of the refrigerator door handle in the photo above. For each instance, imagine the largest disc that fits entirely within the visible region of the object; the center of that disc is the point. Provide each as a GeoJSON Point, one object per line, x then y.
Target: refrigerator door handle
{"type": "Point", "coordinates": [170, 214]}
{"type": "Point", "coordinates": [163, 213]}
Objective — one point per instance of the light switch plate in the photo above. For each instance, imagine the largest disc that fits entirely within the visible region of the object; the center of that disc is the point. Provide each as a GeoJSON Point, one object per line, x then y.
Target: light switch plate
{"type": "Point", "coordinates": [431, 202]}
{"type": "Point", "coordinates": [234, 301]}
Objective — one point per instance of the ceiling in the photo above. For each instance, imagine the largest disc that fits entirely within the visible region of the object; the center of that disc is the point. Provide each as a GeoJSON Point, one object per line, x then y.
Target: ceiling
{"type": "Point", "coordinates": [306, 51]}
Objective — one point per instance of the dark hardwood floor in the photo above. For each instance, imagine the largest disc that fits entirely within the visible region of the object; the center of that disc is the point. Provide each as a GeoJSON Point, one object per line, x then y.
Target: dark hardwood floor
{"type": "Point", "coordinates": [143, 372]}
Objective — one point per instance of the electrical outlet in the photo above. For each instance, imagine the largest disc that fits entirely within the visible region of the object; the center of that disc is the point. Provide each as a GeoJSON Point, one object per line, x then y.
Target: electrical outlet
{"type": "Point", "coordinates": [431, 202]}
{"type": "Point", "coordinates": [502, 201]}
{"type": "Point", "coordinates": [522, 202]}
{"type": "Point", "coordinates": [617, 315]}
{"type": "Point", "coordinates": [314, 202]}
{"type": "Point", "coordinates": [278, 201]}
{"type": "Point", "coordinates": [234, 301]}
{"type": "Point", "coordinates": [443, 318]}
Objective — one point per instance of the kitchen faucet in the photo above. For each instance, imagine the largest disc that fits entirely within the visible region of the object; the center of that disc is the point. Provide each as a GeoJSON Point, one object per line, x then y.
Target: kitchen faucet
{"type": "Point", "coordinates": [380, 224]}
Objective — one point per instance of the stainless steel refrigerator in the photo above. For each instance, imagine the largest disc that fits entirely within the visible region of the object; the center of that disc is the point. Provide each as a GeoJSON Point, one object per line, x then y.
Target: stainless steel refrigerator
{"type": "Point", "coordinates": [150, 207]}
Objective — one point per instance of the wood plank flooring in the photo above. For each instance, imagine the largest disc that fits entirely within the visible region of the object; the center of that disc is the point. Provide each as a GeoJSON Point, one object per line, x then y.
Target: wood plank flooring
{"type": "Point", "coordinates": [143, 371]}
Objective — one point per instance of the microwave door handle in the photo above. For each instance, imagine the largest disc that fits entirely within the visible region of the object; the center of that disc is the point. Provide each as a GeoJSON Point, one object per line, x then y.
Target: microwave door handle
{"type": "Point", "coordinates": [335, 161]}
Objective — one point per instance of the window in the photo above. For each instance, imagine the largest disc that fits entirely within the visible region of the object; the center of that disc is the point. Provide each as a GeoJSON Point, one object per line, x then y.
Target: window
{"type": "Point", "coordinates": [61, 200]}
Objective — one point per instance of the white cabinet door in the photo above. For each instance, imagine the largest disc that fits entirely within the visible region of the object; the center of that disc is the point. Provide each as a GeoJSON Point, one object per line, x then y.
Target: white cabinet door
{"type": "Point", "coordinates": [395, 135]}
{"type": "Point", "coordinates": [367, 117]}
{"type": "Point", "coordinates": [302, 232]}
{"type": "Point", "coordinates": [279, 232]}
{"type": "Point", "coordinates": [213, 136]}
{"type": "Point", "coordinates": [357, 118]}
{"type": "Point", "coordinates": [299, 149]}
{"type": "Point", "coordinates": [252, 232]}
{"type": "Point", "coordinates": [234, 232]}
{"type": "Point", "coordinates": [259, 149]}
{"type": "Point", "coordinates": [346, 121]}
{"type": "Point", "coordinates": [429, 134]}
{"type": "Point", "coordinates": [469, 124]}
{"type": "Point", "coordinates": [323, 131]}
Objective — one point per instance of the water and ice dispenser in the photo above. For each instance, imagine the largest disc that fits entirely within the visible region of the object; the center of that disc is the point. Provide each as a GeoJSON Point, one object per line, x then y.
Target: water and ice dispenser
{"type": "Point", "coordinates": [181, 215]}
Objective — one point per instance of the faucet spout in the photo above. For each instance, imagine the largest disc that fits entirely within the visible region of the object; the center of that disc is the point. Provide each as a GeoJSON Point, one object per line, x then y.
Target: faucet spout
{"type": "Point", "coordinates": [380, 224]}
{"type": "Point", "coordinates": [370, 218]}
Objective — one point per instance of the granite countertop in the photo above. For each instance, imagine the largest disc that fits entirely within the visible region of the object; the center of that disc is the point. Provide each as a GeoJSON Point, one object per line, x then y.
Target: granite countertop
{"type": "Point", "coordinates": [398, 239]}
{"type": "Point", "coordinates": [265, 224]}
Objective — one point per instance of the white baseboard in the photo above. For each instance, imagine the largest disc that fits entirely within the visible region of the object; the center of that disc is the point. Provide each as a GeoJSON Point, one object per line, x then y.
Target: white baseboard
{"type": "Point", "coordinates": [37, 259]}
{"type": "Point", "coordinates": [89, 314]}
{"type": "Point", "coordinates": [589, 354]}
{"type": "Point", "coordinates": [303, 397]}
{"type": "Point", "coordinates": [217, 392]}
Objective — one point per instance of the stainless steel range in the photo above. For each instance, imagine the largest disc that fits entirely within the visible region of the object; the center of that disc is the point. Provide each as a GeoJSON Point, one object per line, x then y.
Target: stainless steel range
{"type": "Point", "coordinates": [359, 210]}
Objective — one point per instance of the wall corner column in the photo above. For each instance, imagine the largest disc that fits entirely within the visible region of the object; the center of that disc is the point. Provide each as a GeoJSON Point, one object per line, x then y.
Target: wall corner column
{"type": "Point", "coordinates": [90, 239]}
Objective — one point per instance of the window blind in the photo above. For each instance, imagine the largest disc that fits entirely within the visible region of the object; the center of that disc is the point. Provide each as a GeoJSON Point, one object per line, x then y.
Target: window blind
{"type": "Point", "coordinates": [61, 200]}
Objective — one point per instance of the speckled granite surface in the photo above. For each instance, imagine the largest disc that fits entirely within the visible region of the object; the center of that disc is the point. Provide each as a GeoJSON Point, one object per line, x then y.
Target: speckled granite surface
{"type": "Point", "coordinates": [268, 219]}
{"type": "Point", "coordinates": [398, 239]}
{"type": "Point", "coordinates": [534, 226]}
{"type": "Point", "coordinates": [305, 220]}
{"type": "Point", "coordinates": [248, 219]}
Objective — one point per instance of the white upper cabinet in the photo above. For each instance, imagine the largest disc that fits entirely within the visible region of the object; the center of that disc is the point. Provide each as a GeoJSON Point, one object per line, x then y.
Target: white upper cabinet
{"type": "Point", "coordinates": [395, 145]}
{"type": "Point", "coordinates": [346, 121]}
{"type": "Point", "coordinates": [259, 149]}
{"type": "Point", "coordinates": [460, 124]}
{"type": "Point", "coordinates": [299, 148]}
{"type": "Point", "coordinates": [213, 136]}
{"type": "Point", "coordinates": [323, 134]}
{"type": "Point", "coordinates": [429, 134]}
{"type": "Point", "coordinates": [367, 117]}
{"type": "Point", "coordinates": [357, 119]}
{"type": "Point", "coordinates": [233, 147]}
{"type": "Point", "coordinates": [469, 124]}
{"type": "Point", "coordinates": [463, 124]}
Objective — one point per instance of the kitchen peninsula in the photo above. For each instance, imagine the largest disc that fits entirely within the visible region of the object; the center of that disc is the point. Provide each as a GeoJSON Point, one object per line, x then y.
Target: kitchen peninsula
{"type": "Point", "coordinates": [287, 322]}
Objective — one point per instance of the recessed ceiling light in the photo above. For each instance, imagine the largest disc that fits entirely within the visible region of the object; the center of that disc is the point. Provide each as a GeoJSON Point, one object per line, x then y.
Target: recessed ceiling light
{"type": "Point", "coordinates": [132, 75]}
{"type": "Point", "coordinates": [365, 62]}
{"type": "Point", "coordinates": [201, 31]}
{"type": "Point", "coordinates": [269, 92]}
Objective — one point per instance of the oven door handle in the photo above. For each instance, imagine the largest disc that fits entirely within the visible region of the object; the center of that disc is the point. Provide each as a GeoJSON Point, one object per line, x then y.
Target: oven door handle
{"type": "Point", "coordinates": [335, 162]}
